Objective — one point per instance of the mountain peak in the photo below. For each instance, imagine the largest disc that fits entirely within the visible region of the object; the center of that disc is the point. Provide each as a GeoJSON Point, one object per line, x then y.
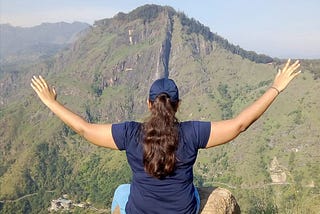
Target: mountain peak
{"type": "Point", "coordinates": [149, 12]}
{"type": "Point", "coordinates": [146, 12]}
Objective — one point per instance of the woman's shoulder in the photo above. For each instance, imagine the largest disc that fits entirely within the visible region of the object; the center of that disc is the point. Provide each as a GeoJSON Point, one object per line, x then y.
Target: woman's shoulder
{"type": "Point", "coordinates": [195, 127]}
{"type": "Point", "coordinates": [127, 126]}
{"type": "Point", "coordinates": [194, 123]}
{"type": "Point", "coordinates": [128, 123]}
{"type": "Point", "coordinates": [133, 123]}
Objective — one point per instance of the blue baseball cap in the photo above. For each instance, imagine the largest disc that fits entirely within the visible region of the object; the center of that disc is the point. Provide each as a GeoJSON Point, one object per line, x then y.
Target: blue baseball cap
{"type": "Point", "coordinates": [164, 85]}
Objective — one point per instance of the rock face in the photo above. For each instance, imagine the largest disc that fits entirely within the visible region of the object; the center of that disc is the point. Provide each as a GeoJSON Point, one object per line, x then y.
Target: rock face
{"type": "Point", "coordinates": [214, 200]}
{"type": "Point", "coordinates": [277, 173]}
{"type": "Point", "coordinates": [217, 200]}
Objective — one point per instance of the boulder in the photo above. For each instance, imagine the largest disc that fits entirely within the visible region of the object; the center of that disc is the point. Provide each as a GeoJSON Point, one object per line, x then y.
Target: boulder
{"type": "Point", "coordinates": [218, 201]}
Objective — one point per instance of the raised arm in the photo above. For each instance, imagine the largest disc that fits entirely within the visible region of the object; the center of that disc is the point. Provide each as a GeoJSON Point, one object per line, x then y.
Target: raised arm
{"type": "Point", "coordinates": [226, 130]}
{"type": "Point", "coordinates": [98, 134]}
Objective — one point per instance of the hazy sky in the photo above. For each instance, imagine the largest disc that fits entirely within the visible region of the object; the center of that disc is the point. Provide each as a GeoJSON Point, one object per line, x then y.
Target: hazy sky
{"type": "Point", "coordinates": [279, 28]}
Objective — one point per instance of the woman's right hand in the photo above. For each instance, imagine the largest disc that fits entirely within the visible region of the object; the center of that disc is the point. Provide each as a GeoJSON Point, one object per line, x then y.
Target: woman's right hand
{"type": "Point", "coordinates": [43, 90]}
{"type": "Point", "coordinates": [285, 75]}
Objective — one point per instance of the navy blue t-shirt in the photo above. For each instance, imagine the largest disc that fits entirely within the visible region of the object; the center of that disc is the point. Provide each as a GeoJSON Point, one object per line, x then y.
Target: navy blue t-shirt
{"type": "Point", "coordinates": [174, 193]}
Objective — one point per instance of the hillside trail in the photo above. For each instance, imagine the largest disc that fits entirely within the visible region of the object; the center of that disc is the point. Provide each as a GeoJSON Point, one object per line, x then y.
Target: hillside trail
{"type": "Point", "coordinates": [22, 197]}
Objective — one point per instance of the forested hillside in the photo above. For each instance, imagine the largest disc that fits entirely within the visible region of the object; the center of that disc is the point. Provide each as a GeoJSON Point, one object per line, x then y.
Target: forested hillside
{"type": "Point", "coordinates": [105, 75]}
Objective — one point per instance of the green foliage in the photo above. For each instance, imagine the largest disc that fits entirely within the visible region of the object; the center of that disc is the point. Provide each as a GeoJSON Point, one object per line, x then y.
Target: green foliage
{"type": "Point", "coordinates": [95, 183]}
{"type": "Point", "coordinates": [97, 85]}
{"type": "Point", "coordinates": [260, 206]}
{"type": "Point", "coordinates": [297, 116]}
{"type": "Point", "coordinates": [225, 102]}
{"type": "Point", "coordinates": [52, 169]}
{"type": "Point", "coordinates": [147, 12]}
{"type": "Point", "coordinates": [313, 66]}
{"type": "Point", "coordinates": [198, 180]}
{"type": "Point", "coordinates": [36, 204]}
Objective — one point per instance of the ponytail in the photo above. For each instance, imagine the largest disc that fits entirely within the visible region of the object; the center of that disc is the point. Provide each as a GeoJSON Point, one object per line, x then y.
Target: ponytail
{"type": "Point", "coordinates": [160, 139]}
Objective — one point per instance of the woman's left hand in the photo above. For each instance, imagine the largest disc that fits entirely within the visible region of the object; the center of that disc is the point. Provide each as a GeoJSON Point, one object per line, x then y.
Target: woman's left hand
{"type": "Point", "coordinates": [46, 93]}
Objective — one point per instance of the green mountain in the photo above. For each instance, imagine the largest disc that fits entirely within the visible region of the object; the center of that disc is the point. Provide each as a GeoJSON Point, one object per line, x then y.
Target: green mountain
{"type": "Point", "coordinates": [105, 75]}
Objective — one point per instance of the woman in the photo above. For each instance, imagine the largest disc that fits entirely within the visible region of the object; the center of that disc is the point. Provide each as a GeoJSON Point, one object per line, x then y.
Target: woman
{"type": "Point", "coordinates": [161, 151]}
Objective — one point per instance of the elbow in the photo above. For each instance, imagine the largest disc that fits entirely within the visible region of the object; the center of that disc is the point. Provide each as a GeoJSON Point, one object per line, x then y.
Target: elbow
{"type": "Point", "coordinates": [243, 126]}
{"type": "Point", "coordinates": [239, 125]}
{"type": "Point", "coordinates": [82, 129]}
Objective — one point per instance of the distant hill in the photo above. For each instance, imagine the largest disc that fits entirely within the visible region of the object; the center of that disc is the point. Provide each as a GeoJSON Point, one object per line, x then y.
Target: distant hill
{"type": "Point", "coordinates": [105, 75]}
{"type": "Point", "coordinates": [41, 40]}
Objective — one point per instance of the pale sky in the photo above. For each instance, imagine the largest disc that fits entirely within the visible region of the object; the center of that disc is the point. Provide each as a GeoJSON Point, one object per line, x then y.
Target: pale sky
{"type": "Point", "coordinates": [279, 28]}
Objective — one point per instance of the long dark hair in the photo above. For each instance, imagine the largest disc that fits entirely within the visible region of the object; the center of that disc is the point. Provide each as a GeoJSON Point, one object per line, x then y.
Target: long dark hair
{"type": "Point", "coordinates": [160, 139]}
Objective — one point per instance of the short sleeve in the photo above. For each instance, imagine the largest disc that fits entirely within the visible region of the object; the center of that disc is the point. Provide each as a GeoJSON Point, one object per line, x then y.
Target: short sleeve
{"type": "Point", "coordinates": [118, 133]}
{"type": "Point", "coordinates": [126, 132]}
{"type": "Point", "coordinates": [202, 131]}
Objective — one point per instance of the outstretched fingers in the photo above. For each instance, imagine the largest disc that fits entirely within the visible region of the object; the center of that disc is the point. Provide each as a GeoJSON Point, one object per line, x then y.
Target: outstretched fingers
{"type": "Point", "coordinates": [44, 83]}
{"type": "Point", "coordinates": [290, 69]}
{"type": "Point", "coordinates": [294, 74]}
{"type": "Point", "coordinates": [35, 84]}
{"type": "Point", "coordinates": [54, 91]}
{"type": "Point", "coordinates": [287, 65]}
{"type": "Point", "coordinates": [39, 83]}
{"type": "Point", "coordinates": [285, 75]}
{"type": "Point", "coordinates": [295, 65]}
{"type": "Point", "coordinates": [42, 89]}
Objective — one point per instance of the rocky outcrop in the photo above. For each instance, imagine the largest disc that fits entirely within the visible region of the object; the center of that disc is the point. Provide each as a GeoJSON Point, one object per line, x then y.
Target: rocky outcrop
{"type": "Point", "coordinates": [166, 47]}
{"type": "Point", "coordinates": [217, 200]}
{"type": "Point", "coordinates": [277, 172]}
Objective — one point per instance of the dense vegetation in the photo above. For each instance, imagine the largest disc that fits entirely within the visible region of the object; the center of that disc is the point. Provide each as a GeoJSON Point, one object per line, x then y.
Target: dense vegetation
{"type": "Point", "coordinates": [103, 77]}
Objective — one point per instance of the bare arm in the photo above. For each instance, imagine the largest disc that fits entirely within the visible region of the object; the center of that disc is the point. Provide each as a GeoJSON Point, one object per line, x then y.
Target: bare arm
{"type": "Point", "coordinates": [98, 134]}
{"type": "Point", "coordinates": [224, 131]}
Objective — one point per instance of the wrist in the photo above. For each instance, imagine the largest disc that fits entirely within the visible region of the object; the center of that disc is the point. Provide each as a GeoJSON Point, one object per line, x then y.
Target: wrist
{"type": "Point", "coordinates": [276, 89]}
{"type": "Point", "coordinates": [50, 103]}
